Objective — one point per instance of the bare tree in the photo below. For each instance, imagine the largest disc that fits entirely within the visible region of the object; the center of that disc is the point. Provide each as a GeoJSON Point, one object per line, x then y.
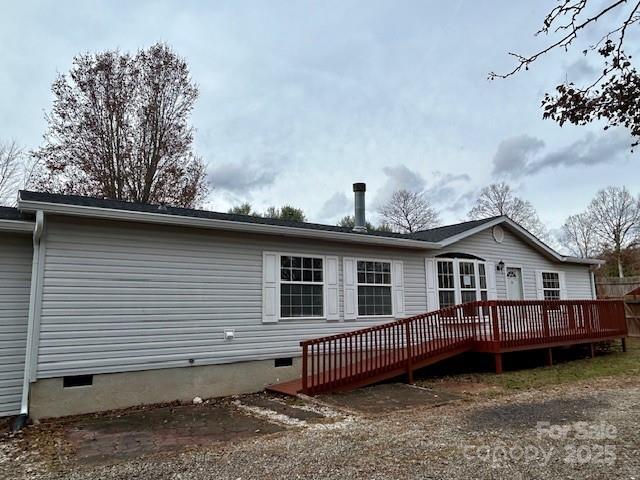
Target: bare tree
{"type": "Point", "coordinates": [408, 212]}
{"type": "Point", "coordinates": [119, 129]}
{"type": "Point", "coordinates": [499, 199]}
{"type": "Point", "coordinates": [10, 171]}
{"type": "Point", "coordinates": [16, 171]}
{"type": "Point", "coordinates": [617, 220]}
{"type": "Point", "coordinates": [613, 94]}
{"type": "Point", "coordinates": [578, 235]}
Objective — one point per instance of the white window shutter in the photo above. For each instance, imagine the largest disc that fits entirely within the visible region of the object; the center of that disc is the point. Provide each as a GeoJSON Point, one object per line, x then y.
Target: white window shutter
{"type": "Point", "coordinates": [563, 285]}
{"type": "Point", "coordinates": [431, 273]}
{"type": "Point", "coordinates": [270, 297]}
{"type": "Point", "coordinates": [349, 273]}
{"type": "Point", "coordinates": [492, 291]}
{"type": "Point", "coordinates": [539, 289]}
{"type": "Point", "coordinates": [397, 279]}
{"type": "Point", "coordinates": [331, 286]}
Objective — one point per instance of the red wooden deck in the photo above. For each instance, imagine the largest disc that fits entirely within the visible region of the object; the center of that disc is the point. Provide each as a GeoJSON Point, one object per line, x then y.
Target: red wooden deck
{"type": "Point", "coordinates": [370, 355]}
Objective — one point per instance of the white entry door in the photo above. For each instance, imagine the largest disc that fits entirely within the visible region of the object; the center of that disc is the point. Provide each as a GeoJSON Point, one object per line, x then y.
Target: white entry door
{"type": "Point", "coordinates": [514, 284]}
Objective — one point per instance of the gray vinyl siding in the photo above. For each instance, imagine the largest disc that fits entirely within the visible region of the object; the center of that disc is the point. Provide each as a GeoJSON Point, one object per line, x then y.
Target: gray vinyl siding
{"type": "Point", "coordinates": [15, 281]}
{"type": "Point", "coordinates": [127, 296]}
{"type": "Point", "coordinates": [513, 251]}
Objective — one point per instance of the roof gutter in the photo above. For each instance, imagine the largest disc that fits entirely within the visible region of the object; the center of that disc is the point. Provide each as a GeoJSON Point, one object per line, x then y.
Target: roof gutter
{"type": "Point", "coordinates": [216, 224]}
{"type": "Point", "coordinates": [258, 228]}
{"type": "Point", "coordinates": [33, 325]}
{"type": "Point", "coordinates": [19, 226]}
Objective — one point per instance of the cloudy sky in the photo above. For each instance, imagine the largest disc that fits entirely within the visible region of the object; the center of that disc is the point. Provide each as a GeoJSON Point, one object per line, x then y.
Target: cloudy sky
{"type": "Point", "coordinates": [300, 99]}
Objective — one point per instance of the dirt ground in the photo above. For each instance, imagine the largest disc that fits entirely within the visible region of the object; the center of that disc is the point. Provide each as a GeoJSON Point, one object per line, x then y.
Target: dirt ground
{"type": "Point", "coordinates": [590, 430]}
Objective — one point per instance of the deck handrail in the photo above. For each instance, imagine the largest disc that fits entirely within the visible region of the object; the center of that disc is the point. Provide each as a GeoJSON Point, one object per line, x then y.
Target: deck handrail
{"type": "Point", "coordinates": [337, 360]}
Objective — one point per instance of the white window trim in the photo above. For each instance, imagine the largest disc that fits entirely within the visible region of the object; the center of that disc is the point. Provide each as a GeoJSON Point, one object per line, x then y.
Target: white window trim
{"type": "Point", "coordinates": [390, 285]}
{"type": "Point", "coordinates": [456, 278]}
{"type": "Point", "coordinates": [280, 282]}
{"type": "Point", "coordinates": [560, 279]}
{"type": "Point", "coordinates": [513, 265]}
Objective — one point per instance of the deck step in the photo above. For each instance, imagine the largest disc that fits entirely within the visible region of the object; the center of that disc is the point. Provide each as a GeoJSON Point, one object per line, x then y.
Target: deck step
{"type": "Point", "coordinates": [292, 388]}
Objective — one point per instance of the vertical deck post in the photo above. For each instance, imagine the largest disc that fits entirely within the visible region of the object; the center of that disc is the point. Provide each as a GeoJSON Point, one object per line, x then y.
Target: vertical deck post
{"type": "Point", "coordinates": [407, 336]}
{"type": "Point", "coordinates": [549, 357]}
{"type": "Point", "coordinates": [496, 324]}
{"type": "Point", "coordinates": [587, 318]}
{"type": "Point", "coordinates": [497, 359]}
{"type": "Point", "coordinates": [572, 318]}
{"type": "Point", "coordinates": [592, 350]}
{"type": "Point", "coordinates": [305, 382]}
{"type": "Point", "coordinates": [545, 322]}
{"type": "Point", "coordinates": [624, 344]}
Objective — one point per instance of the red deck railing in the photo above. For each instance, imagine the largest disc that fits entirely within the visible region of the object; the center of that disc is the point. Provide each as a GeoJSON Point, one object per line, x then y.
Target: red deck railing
{"type": "Point", "coordinates": [367, 355]}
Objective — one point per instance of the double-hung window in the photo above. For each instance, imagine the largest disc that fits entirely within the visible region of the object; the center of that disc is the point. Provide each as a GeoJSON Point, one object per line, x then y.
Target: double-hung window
{"type": "Point", "coordinates": [551, 285]}
{"type": "Point", "coordinates": [482, 281]}
{"type": "Point", "coordinates": [446, 283]}
{"type": "Point", "coordinates": [374, 288]}
{"type": "Point", "coordinates": [301, 286]}
{"type": "Point", "coordinates": [468, 292]}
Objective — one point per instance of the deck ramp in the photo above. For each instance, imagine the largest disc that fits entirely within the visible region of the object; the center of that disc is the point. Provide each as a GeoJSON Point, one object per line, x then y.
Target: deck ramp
{"type": "Point", "coordinates": [370, 355]}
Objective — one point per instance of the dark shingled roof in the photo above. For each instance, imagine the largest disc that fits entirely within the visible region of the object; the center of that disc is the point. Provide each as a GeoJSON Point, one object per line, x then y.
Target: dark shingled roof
{"type": "Point", "coordinates": [441, 233]}
{"type": "Point", "coordinates": [432, 235]}
{"type": "Point", "coordinates": [10, 213]}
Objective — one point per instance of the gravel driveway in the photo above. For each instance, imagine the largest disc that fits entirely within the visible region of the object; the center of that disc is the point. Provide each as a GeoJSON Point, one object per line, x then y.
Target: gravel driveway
{"type": "Point", "coordinates": [592, 431]}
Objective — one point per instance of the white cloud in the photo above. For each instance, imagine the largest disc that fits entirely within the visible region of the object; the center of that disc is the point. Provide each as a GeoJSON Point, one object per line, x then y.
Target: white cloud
{"type": "Point", "coordinates": [241, 177]}
{"type": "Point", "coordinates": [520, 156]}
{"type": "Point", "coordinates": [399, 177]}
{"type": "Point", "coordinates": [336, 207]}
{"type": "Point", "coordinates": [514, 154]}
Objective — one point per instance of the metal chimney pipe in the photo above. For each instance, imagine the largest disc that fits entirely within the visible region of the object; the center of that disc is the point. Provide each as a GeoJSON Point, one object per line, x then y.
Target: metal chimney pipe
{"type": "Point", "coordinates": [360, 224]}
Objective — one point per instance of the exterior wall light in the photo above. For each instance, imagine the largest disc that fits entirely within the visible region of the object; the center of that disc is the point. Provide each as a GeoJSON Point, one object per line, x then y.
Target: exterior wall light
{"type": "Point", "coordinates": [500, 266]}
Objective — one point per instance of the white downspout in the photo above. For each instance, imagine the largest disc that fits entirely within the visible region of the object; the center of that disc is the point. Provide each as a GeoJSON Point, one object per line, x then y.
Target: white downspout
{"type": "Point", "coordinates": [33, 321]}
{"type": "Point", "coordinates": [592, 278]}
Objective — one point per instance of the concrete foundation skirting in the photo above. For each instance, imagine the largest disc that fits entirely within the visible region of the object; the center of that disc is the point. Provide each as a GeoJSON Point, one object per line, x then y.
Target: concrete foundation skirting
{"type": "Point", "coordinates": [121, 390]}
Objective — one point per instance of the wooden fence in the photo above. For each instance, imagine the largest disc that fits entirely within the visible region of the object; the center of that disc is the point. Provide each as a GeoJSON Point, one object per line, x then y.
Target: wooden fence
{"type": "Point", "coordinates": [620, 288]}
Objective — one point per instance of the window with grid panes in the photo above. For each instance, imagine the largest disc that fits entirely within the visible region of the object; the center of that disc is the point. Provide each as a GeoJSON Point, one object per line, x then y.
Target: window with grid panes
{"type": "Point", "coordinates": [301, 287]}
{"type": "Point", "coordinates": [551, 285]}
{"type": "Point", "coordinates": [446, 284]}
{"type": "Point", "coordinates": [482, 277]}
{"type": "Point", "coordinates": [468, 292]}
{"type": "Point", "coordinates": [374, 288]}
{"type": "Point", "coordinates": [472, 281]}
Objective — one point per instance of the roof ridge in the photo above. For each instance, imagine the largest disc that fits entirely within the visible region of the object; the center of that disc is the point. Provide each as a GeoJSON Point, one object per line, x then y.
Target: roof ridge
{"type": "Point", "coordinates": [483, 220]}
{"type": "Point", "coordinates": [239, 217]}
{"type": "Point", "coordinates": [169, 209]}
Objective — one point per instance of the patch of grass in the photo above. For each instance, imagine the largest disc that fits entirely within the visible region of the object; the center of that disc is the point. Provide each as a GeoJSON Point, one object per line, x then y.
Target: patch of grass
{"type": "Point", "coordinates": [610, 364]}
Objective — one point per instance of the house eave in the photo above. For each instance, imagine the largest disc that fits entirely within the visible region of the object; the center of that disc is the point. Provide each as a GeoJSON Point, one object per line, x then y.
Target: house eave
{"type": "Point", "coordinates": [532, 240]}
{"type": "Point", "coordinates": [216, 224]}
{"type": "Point", "coordinates": [584, 261]}
{"type": "Point", "coordinates": [20, 226]}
